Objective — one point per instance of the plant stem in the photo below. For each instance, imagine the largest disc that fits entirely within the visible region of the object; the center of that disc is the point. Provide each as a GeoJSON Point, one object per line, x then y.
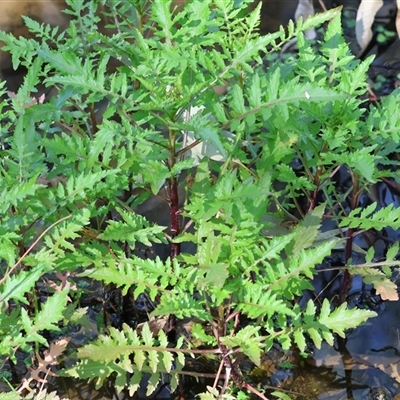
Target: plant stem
{"type": "Point", "coordinates": [347, 278]}
{"type": "Point", "coordinates": [247, 386]}
{"type": "Point", "coordinates": [174, 215]}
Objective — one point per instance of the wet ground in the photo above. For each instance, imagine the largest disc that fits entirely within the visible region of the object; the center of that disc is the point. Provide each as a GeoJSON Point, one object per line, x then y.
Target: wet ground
{"type": "Point", "coordinates": [364, 366]}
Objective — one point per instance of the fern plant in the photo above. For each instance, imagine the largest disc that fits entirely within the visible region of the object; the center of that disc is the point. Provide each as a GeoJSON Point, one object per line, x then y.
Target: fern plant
{"type": "Point", "coordinates": [76, 167]}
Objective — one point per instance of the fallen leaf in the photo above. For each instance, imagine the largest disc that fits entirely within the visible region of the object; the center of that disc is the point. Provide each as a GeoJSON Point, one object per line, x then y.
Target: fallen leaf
{"type": "Point", "coordinates": [365, 18]}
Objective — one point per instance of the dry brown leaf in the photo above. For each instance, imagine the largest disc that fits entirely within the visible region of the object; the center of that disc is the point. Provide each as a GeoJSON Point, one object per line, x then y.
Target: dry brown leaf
{"type": "Point", "coordinates": [365, 18]}
{"type": "Point", "coordinates": [383, 285]}
{"type": "Point", "coordinates": [43, 395]}
{"type": "Point", "coordinates": [64, 282]}
{"type": "Point", "coordinates": [56, 349]}
{"type": "Point", "coordinates": [386, 289]}
{"type": "Point", "coordinates": [156, 324]}
{"type": "Point", "coordinates": [305, 9]}
{"type": "Point", "coordinates": [40, 373]}
{"type": "Point", "coordinates": [398, 18]}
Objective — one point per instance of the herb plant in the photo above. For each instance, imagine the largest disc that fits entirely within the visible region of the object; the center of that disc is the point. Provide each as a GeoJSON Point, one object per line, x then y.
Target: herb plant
{"type": "Point", "coordinates": [247, 175]}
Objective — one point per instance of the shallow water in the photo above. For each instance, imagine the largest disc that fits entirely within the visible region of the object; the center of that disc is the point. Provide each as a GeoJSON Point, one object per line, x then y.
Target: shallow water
{"type": "Point", "coordinates": [368, 358]}
{"type": "Point", "coordinates": [365, 366]}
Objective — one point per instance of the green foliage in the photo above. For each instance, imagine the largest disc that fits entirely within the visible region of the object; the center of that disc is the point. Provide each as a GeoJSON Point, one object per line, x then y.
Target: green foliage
{"type": "Point", "coordinates": [134, 116]}
{"type": "Point", "coordinates": [112, 354]}
{"type": "Point", "coordinates": [368, 218]}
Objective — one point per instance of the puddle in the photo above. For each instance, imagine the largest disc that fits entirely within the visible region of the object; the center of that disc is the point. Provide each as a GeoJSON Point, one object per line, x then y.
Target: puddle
{"type": "Point", "coordinates": [366, 365]}
{"type": "Point", "coordinates": [73, 389]}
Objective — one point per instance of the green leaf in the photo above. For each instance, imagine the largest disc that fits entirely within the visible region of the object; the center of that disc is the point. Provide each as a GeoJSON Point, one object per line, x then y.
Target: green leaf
{"type": "Point", "coordinates": [203, 127]}
{"type": "Point", "coordinates": [47, 318]}
{"type": "Point", "coordinates": [238, 101]}
{"type": "Point", "coordinates": [134, 227]}
{"type": "Point", "coordinates": [300, 340]}
{"type": "Point", "coordinates": [16, 286]}
{"type": "Point", "coordinates": [248, 340]}
{"type": "Point", "coordinates": [368, 218]}
{"type": "Point", "coordinates": [162, 14]}
{"type": "Point", "coordinates": [101, 145]}
{"type": "Point", "coordinates": [315, 337]}
{"type": "Point", "coordinates": [147, 335]}
{"type": "Point", "coordinates": [10, 396]}
{"type": "Point", "coordinates": [258, 302]}
{"type": "Point", "coordinates": [281, 395]}
{"type": "Point", "coordinates": [341, 318]}
{"type": "Point", "coordinates": [155, 173]}
{"type": "Point", "coordinates": [94, 370]}
{"type": "Point", "coordinates": [308, 229]}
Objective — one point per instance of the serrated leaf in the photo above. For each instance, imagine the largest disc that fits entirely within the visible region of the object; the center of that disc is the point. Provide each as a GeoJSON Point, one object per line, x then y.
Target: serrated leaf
{"type": "Point", "coordinates": [368, 218]}
{"type": "Point", "coordinates": [139, 359]}
{"type": "Point", "coordinates": [153, 360]}
{"type": "Point", "coordinates": [95, 370]}
{"type": "Point", "coordinates": [299, 339]}
{"type": "Point", "coordinates": [248, 340]}
{"type": "Point", "coordinates": [216, 275]}
{"type": "Point", "coordinates": [17, 286]}
{"type": "Point", "coordinates": [155, 173]}
{"type": "Point", "coordinates": [147, 335]}
{"type": "Point", "coordinates": [253, 351]}
{"type": "Point", "coordinates": [308, 229]}
{"type": "Point", "coordinates": [342, 318]}
{"type": "Point", "coordinates": [328, 337]}
{"type": "Point", "coordinates": [315, 337]}
{"type": "Point", "coordinates": [168, 360]}
{"type": "Point", "coordinates": [134, 384]}
{"type": "Point", "coordinates": [52, 311]}
{"type": "Point", "coordinates": [104, 137]}
{"type": "Point", "coordinates": [152, 384]}
{"type": "Point", "coordinates": [382, 284]}
{"type": "Point", "coordinates": [238, 101]}
{"type": "Point", "coordinates": [392, 251]}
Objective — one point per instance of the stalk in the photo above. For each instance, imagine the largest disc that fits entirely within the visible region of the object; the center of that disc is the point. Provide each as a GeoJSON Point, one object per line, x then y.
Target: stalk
{"type": "Point", "coordinates": [174, 215]}
{"type": "Point", "coordinates": [347, 278]}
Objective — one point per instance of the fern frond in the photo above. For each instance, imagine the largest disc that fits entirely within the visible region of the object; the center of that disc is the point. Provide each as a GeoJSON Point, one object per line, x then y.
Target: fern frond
{"type": "Point", "coordinates": [45, 319]}
{"type": "Point", "coordinates": [248, 340]}
{"type": "Point", "coordinates": [16, 286]}
{"type": "Point", "coordinates": [369, 218]}
{"type": "Point", "coordinates": [126, 352]}
{"type": "Point", "coordinates": [259, 302]}
{"type": "Point", "coordinates": [44, 31]}
{"type": "Point", "coordinates": [342, 318]}
{"type": "Point", "coordinates": [134, 227]}
{"type": "Point", "coordinates": [150, 276]}
{"type": "Point", "coordinates": [320, 327]}
{"type": "Point", "coordinates": [284, 276]}
{"type": "Point", "coordinates": [17, 193]}
{"type": "Point", "coordinates": [57, 241]}
{"type": "Point", "coordinates": [181, 303]}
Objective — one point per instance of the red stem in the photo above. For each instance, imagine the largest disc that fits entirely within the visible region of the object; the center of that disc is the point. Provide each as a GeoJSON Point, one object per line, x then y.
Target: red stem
{"type": "Point", "coordinates": [247, 386]}
{"type": "Point", "coordinates": [347, 278]}
{"type": "Point", "coordinates": [174, 215]}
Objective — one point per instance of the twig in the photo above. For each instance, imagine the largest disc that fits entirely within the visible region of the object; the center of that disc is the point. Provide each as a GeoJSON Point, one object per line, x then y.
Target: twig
{"type": "Point", "coordinates": [32, 246]}
{"type": "Point", "coordinates": [323, 6]}
{"type": "Point", "coordinates": [218, 375]}
{"type": "Point", "coordinates": [247, 386]}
